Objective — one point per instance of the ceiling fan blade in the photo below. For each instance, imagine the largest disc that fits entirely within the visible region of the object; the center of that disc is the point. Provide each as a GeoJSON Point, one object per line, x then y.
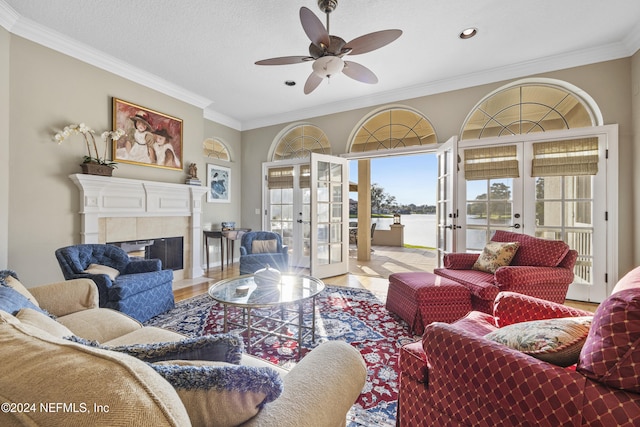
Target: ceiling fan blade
{"type": "Point", "coordinates": [284, 60]}
{"type": "Point", "coordinates": [314, 28]}
{"type": "Point", "coordinates": [313, 81]}
{"type": "Point", "coordinates": [371, 41]}
{"type": "Point", "coordinates": [359, 72]}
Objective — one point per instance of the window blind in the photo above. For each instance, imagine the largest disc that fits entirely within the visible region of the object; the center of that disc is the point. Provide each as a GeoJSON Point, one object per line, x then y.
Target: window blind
{"type": "Point", "coordinates": [491, 162]}
{"type": "Point", "coordinates": [305, 176]}
{"type": "Point", "coordinates": [565, 158]}
{"type": "Point", "coordinates": [280, 177]}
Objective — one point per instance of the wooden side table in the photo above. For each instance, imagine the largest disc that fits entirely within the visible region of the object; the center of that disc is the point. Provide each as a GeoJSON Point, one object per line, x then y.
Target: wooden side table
{"type": "Point", "coordinates": [213, 234]}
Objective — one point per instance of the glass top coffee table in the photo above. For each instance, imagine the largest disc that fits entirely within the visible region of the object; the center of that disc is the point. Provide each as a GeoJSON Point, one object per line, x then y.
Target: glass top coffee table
{"type": "Point", "coordinates": [241, 299]}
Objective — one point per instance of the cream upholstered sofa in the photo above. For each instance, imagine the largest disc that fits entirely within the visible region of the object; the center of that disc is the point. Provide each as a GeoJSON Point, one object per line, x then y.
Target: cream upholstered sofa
{"type": "Point", "coordinates": [51, 381]}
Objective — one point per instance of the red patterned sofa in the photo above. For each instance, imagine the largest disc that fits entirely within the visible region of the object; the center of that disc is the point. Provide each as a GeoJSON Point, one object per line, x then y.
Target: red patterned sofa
{"type": "Point", "coordinates": [457, 377]}
{"type": "Point", "coordinates": [540, 268]}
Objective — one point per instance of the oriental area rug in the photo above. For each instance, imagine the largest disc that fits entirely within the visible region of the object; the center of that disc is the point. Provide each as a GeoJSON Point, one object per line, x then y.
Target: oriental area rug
{"type": "Point", "coordinates": [356, 316]}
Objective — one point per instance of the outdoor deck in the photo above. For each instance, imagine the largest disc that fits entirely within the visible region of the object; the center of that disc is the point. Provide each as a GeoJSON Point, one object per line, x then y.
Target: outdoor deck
{"type": "Point", "coordinates": [386, 260]}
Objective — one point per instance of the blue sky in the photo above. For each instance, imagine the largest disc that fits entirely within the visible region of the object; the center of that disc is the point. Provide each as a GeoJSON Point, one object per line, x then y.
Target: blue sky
{"type": "Point", "coordinates": [411, 179]}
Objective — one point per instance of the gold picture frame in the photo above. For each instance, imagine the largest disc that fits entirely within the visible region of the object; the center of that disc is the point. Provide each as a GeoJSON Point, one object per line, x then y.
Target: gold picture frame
{"type": "Point", "coordinates": [150, 138]}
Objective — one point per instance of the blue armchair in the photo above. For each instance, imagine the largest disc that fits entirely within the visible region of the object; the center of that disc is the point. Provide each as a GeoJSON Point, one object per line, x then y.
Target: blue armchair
{"type": "Point", "coordinates": [139, 288]}
{"type": "Point", "coordinates": [260, 248]}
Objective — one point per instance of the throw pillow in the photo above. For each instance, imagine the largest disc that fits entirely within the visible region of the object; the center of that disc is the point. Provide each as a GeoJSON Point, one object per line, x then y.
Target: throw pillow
{"type": "Point", "coordinates": [556, 341]}
{"type": "Point", "coordinates": [534, 251]}
{"type": "Point", "coordinates": [611, 354]}
{"type": "Point", "coordinates": [495, 255]}
{"type": "Point", "coordinates": [264, 246]}
{"type": "Point", "coordinates": [10, 278]}
{"type": "Point", "coordinates": [224, 393]}
{"type": "Point", "coordinates": [13, 301]}
{"type": "Point", "coordinates": [220, 347]}
{"type": "Point", "coordinates": [102, 269]}
{"type": "Point", "coordinates": [43, 322]}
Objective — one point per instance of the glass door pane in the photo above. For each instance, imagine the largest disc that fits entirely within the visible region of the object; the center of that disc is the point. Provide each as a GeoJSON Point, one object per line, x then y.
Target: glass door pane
{"type": "Point", "coordinates": [446, 210]}
{"type": "Point", "coordinates": [329, 215]}
{"type": "Point", "coordinates": [564, 211]}
{"type": "Point", "coordinates": [489, 207]}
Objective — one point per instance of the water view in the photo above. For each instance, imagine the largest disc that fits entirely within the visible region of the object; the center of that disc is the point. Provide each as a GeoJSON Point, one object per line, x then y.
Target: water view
{"type": "Point", "coordinates": [419, 230]}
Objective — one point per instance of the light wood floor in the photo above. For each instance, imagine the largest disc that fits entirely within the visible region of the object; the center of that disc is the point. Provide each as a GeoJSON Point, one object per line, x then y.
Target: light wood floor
{"type": "Point", "coordinates": [371, 275]}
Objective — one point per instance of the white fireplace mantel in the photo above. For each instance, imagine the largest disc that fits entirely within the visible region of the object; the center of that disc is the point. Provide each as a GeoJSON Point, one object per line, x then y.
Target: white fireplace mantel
{"type": "Point", "coordinates": [108, 197]}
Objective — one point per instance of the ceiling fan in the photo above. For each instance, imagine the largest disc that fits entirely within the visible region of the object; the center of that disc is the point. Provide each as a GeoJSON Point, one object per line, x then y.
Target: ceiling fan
{"type": "Point", "coordinates": [326, 51]}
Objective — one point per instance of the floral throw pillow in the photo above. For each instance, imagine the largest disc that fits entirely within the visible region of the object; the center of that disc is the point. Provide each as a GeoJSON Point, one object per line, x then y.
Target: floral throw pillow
{"type": "Point", "coordinates": [558, 341]}
{"type": "Point", "coordinates": [496, 255]}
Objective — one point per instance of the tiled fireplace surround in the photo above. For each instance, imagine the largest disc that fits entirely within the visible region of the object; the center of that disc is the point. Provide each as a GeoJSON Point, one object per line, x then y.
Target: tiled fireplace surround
{"type": "Point", "coordinates": [119, 209]}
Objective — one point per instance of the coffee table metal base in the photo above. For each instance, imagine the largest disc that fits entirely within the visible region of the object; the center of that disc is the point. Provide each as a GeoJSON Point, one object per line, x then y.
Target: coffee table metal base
{"type": "Point", "coordinates": [272, 324]}
{"type": "Point", "coordinates": [268, 308]}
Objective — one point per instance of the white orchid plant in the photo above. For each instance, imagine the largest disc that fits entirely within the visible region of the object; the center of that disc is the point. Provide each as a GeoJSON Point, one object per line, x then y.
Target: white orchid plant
{"type": "Point", "coordinates": [90, 140]}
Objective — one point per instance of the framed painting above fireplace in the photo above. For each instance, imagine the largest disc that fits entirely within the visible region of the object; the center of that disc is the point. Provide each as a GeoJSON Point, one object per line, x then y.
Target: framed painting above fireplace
{"type": "Point", "coordinates": [219, 184]}
{"type": "Point", "coordinates": [151, 138]}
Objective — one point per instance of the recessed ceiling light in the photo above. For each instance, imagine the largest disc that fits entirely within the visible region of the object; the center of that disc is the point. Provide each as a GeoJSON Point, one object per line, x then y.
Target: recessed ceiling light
{"type": "Point", "coordinates": [468, 33]}
{"type": "Point", "coordinates": [289, 82]}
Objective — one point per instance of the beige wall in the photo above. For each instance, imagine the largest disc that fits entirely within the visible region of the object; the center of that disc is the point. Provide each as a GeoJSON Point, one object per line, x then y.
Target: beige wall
{"type": "Point", "coordinates": [48, 91]}
{"type": "Point", "coordinates": [4, 145]}
{"type": "Point", "coordinates": [608, 83]}
{"type": "Point", "coordinates": [215, 213]}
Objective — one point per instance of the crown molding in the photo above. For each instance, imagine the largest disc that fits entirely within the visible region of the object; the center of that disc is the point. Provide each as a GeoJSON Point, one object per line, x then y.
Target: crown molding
{"type": "Point", "coordinates": [222, 119]}
{"type": "Point", "coordinates": [551, 63]}
{"type": "Point", "coordinates": [8, 16]}
{"type": "Point", "coordinates": [632, 41]}
{"type": "Point", "coordinates": [30, 30]}
{"type": "Point", "coordinates": [47, 37]}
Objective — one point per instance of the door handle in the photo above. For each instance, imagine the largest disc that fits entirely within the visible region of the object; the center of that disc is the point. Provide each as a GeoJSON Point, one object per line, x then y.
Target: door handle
{"type": "Point", "coordinates": [516, 226]}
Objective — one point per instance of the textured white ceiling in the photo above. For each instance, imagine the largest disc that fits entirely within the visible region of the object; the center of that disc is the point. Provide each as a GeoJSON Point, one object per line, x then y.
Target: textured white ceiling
{"type": "Point", "coordinates": [203, 51]}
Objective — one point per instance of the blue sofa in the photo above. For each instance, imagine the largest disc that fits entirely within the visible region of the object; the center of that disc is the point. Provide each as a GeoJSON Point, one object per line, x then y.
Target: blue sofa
{"type": "Point", "coordinates": [139, 288]}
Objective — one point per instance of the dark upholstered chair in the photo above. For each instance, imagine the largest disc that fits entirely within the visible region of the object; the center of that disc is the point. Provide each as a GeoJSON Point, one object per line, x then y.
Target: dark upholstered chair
{"type": "Point", "coordinates": [260, 248]}
{"type": "Point", "coordinates": [139, 288]}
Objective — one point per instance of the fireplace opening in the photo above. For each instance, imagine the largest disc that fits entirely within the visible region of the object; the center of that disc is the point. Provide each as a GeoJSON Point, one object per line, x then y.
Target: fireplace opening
{"type": "Point", "coordinates": [170, 250]}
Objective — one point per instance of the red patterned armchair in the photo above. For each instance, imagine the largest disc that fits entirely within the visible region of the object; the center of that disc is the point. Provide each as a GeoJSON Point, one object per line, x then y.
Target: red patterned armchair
{"type": "Point", "coordinates": [456, 376]}
{"type": "Point", "coordinates": [540, 268]}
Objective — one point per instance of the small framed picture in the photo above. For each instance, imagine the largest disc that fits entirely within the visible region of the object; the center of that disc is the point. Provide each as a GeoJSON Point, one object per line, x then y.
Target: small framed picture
{"type": "Point", "coordinates": [151, 138]}
{"type": "Point", "coordinates": [219, 183]}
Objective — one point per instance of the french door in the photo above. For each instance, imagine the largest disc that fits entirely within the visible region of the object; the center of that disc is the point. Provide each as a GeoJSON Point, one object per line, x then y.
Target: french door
{"type": "Point", "coordinates": [306, 201]}
{"type": "Point", "coordinates": [574, 208]}
{"type": "Point", "coordinates": [329, 215]}
{"type": "Point", "coordinates": [446, 200]}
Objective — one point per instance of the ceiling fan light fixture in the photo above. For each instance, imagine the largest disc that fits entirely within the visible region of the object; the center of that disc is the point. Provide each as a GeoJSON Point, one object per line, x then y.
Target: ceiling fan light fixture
{"type": "Point", "coordinates": [326, 51]}
{"type": "Point", "coordinates": [467, 33]}
{"type": "Point", "coordinates": [327, 66]}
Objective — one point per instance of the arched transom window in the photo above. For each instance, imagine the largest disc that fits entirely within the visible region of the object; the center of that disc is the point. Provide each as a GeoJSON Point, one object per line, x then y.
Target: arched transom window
{"type": "Point", "coordinates": [527, 108]}
{"type": "Point", "coordinates": [393, 128]}
{"type": "Point", "coordinates": [299, 141]}
{"type": "Point", "coordinates": [214, 148]}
